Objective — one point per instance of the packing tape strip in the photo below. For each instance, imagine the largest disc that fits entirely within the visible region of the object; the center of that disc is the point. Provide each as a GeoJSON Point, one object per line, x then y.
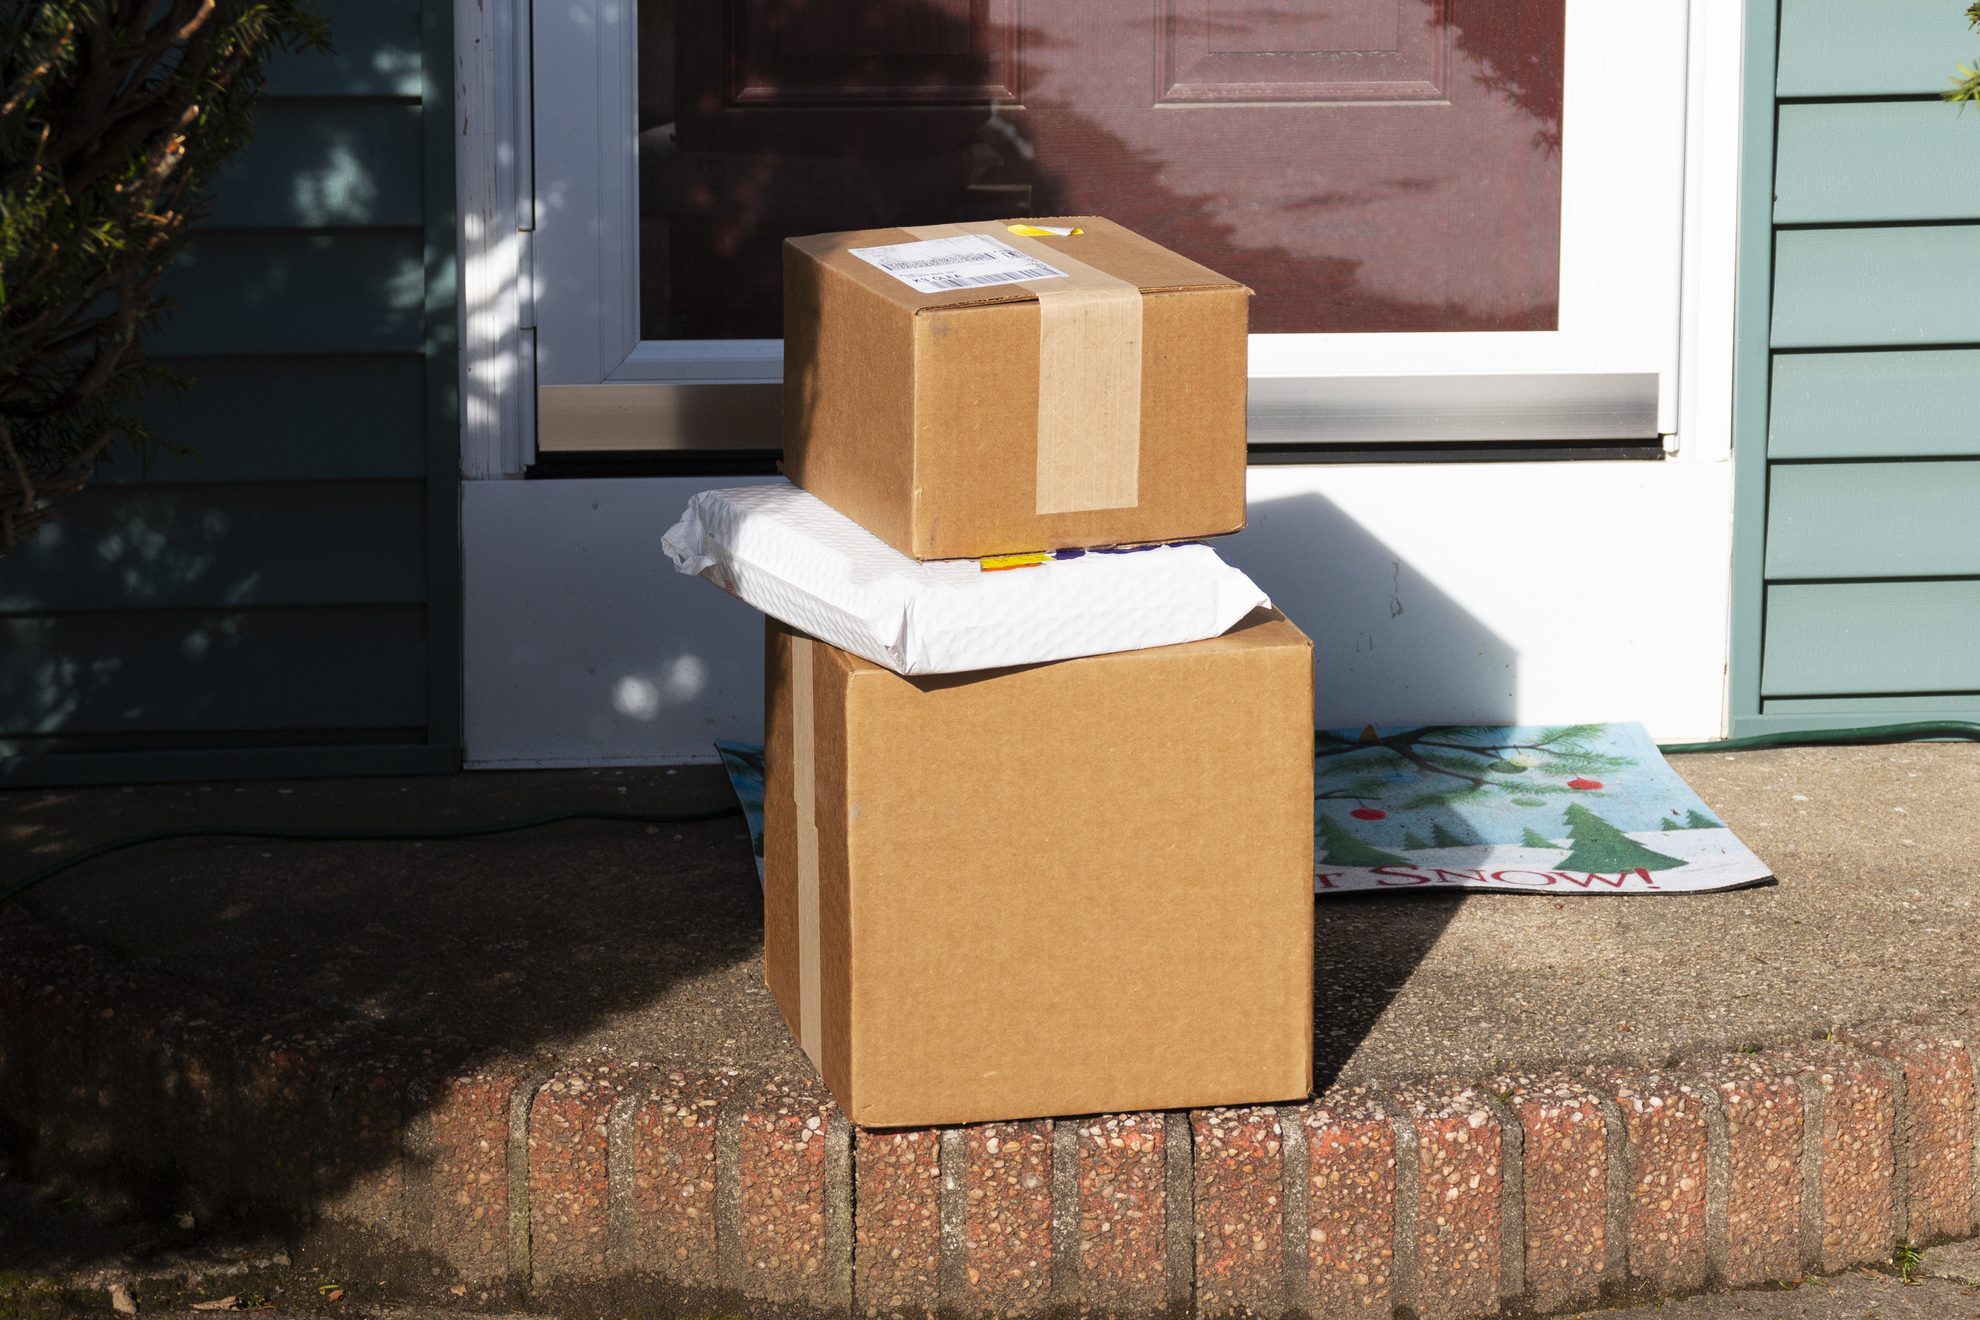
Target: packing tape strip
{"type": "Point", "coordinates": [804, 752]}
{"type": "Point", "coordinates": [1089, 378]}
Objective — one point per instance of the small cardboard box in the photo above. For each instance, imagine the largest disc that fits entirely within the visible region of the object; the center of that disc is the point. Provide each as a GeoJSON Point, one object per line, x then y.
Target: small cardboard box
{"type": "Point", "coordinates": [1068, 888]}
{"type": "Point", "coordinates": [982, 392]}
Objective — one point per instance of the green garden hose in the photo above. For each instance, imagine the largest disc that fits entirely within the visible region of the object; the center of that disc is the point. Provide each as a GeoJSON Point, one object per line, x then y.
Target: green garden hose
{"type": "Point", "coordinates": [1867, 734]}
{"type": "Point", "coordinates": [1852, 737]}
{"type": "Point", "coordinates": [16, 888]}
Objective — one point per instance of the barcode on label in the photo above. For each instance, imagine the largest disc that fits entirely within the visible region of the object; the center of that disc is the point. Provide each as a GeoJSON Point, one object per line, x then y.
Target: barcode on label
{"type": "Point", "coordinates": [967, 261]}
{"type": "Point", "coordinates": [992, 277]}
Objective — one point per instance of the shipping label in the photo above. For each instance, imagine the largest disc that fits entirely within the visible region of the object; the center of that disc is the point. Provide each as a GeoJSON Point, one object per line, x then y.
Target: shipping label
{"type": "Point", "coordinates": [968, 261]}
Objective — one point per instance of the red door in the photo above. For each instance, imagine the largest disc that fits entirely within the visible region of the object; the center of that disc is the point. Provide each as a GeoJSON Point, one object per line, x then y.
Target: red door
{"type": "Point", "coordinates": [1365, 165]}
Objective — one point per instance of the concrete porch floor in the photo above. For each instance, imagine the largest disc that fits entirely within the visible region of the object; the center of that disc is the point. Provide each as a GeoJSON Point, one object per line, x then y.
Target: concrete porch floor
{"type": "Point", "coordinates": [544, 1061]}
{"type": "Point", "coordinates": [594, 938]}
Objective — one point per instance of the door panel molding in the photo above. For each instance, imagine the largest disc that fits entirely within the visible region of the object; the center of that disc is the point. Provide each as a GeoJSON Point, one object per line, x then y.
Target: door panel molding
{"type": "Point", "coordinates": [1210, 51]}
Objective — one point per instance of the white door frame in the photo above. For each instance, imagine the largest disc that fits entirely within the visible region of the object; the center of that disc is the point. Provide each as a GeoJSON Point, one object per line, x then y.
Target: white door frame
{"type": "Point", "coordinates": [1663, 525]}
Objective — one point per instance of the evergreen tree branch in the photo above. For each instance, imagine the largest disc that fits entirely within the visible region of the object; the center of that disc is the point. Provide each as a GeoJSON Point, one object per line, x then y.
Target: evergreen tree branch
{"type": "Point", "coordinates": [1498, 751]}
{"type": "Point", "coordinates": [1401, 744]}
{"type": "Point", "coordinates": [1966, 80]}
{"type": "Point", "coordinates": [1422, 762]}
{"type": "Point", "coordinates": [22, 477]}
{"type": "Point", "coordinates": [114, 117]}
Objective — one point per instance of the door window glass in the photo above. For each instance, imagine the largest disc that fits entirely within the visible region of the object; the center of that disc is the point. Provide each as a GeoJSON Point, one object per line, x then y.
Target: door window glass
{"type": "Point", "coordinates": [1364, 165]}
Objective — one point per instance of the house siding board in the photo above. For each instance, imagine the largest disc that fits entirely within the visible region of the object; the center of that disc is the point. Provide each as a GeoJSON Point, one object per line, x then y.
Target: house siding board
{"type": "Point", "coordinates": [365, 421]}
{"type": "Point", "coordinates": [284, 599]}
{"type": "Point", "coordinates": [1876, 161]}
{"type": "Point", "coordinates": [377, 51]}
{"type": "Point", "coordinates": [1873, 520]}
{"type": "Point", "coordinates": [1872, 404]}
{"type": "Point", "coordinates": [1904, 709]}
{"type": "Point", "coordinates": [1872, 638]}
{"type": "Point", "coordinates": [325, 165]}
{"type": "Point", "coordinates": [291, 291]}
{"type": "Point", "coordinates": [213, 670]}
{"type": "Point", "coordinates": [1857, 569]}
{"type": "Point", "coordinates": [1912, 284]}
{"type": "Point", "coordinates": [1869, 47]}
{"type": "Point", "coordinates": [242, 545]}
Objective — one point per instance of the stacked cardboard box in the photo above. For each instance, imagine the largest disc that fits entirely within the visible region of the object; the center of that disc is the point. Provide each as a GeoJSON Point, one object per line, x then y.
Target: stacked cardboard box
{"type": "Point", "coordinates": [956, 409]}
{"type": "Point", "coordinates": [1062, 888]}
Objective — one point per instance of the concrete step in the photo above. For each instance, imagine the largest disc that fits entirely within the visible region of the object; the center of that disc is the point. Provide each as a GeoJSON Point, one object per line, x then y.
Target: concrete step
{"type": "Point", "coordinates": [715, 1187]}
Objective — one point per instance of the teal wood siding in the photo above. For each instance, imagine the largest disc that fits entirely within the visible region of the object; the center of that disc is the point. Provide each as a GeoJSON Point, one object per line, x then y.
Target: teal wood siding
{"type": "Point", "coordinates": [1856, 592]}
{"type": "Point", "coordinates": [284, 598]}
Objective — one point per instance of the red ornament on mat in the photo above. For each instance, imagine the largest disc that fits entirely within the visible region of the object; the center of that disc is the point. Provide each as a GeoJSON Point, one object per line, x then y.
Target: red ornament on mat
{"type": "Point", "coordinates": [1368, 813]}
{"type": "Point", "coordinates": [1584, 783]}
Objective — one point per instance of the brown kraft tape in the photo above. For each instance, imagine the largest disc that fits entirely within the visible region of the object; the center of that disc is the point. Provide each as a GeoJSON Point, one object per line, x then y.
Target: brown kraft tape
{"type": "Point", "coordinates": [804, 786]}
{"type": "Point", "coordinates": [1089, 378]}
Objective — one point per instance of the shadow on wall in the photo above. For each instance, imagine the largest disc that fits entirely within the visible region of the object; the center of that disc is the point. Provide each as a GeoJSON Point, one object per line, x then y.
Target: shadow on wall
{"type": "Point", "coordinates": [1388, 646]}
{"type": "Point", "coordinates": [599, 652]}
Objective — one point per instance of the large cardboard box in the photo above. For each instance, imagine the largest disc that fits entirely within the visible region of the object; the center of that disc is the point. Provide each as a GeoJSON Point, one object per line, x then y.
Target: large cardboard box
{"type": "Point", "coordinates": [960, 399]}
{"type": "Point", "coordinates": [1061, 889]}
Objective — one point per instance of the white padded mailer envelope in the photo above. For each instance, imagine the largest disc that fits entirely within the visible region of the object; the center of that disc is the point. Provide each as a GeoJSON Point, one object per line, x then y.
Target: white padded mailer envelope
{"type": "Point", "coordinates": [799, 560]}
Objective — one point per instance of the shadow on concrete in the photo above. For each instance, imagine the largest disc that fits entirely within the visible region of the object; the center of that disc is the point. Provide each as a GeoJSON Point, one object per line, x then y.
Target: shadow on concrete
{"type": "Point", "coordinates": [589, 940]}
{"type": "Point", "coordinates": [425, 960]}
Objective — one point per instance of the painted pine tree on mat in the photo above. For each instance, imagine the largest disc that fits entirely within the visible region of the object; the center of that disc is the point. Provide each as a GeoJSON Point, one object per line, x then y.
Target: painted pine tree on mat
{"type": "Point", "coordinates": [1599, 846]}
{"type": "Point", "coordinates": [1340, 848]}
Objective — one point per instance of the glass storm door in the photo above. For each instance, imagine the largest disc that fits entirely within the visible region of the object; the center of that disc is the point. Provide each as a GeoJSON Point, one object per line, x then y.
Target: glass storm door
{"type": "Point", "coordinates": [1364, 165]}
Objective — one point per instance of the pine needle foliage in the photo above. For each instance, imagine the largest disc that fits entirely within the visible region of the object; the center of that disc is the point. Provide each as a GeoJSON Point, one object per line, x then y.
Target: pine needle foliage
{"type": "Point", "coordinates": [114, 117]}
{"type": "Point", "coordinates": [1966, 82]}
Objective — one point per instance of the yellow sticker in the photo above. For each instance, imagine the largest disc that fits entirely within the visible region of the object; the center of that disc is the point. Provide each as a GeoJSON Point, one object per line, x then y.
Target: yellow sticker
{"type": "Point", "coordinates": [998, 563]}
{"type": "Point", "coordinates": [1043, 231]}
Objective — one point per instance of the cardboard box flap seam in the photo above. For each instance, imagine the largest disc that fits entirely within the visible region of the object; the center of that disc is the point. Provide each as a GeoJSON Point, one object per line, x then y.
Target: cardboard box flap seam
{"type": "Point", "coordinates": [1190, 274]}
{"type": "Point", "coordinates": [1008, 294]}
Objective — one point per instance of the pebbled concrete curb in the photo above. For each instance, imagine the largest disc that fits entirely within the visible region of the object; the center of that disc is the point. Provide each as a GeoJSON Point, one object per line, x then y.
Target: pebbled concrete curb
{"type": "Point", "coordinates": [1448, 1198]}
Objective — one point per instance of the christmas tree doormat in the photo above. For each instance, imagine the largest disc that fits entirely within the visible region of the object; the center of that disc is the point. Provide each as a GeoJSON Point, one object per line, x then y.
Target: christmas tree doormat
{"type": "Point", "coordinates": [744, 762]}
{"type": "Point", "coordinates": [1558, 809]}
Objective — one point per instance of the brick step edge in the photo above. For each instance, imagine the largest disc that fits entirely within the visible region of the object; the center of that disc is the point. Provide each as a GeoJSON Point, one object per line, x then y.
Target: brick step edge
{"type": "Point", "coordinates": [1450, 1198]}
